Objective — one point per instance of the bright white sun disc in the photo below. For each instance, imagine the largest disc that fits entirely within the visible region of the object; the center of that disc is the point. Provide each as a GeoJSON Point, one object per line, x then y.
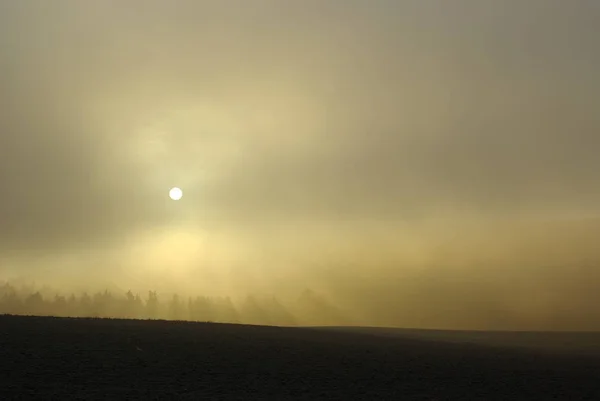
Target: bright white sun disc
{"type": "Point", "coordinates": [175, 193]}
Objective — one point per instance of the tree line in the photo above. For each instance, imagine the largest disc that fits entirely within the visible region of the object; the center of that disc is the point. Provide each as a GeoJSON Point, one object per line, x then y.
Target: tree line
{"type": "Point", "coordinates": [309, 308]}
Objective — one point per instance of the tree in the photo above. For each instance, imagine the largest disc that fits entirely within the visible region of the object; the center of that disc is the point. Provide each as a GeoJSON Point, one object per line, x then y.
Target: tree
{"type": "Point", "coordinates": [152, 305]}
{"type": "Point", "coordinates": [175, 309]}
{"type": "Point", "coordinates": [59, 307]}
{"type": "Point", "coordinates": [34, 304]}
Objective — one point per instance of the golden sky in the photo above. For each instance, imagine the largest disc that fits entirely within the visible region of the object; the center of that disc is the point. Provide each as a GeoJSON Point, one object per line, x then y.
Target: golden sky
{"type": "Point", "coordinates": [316, 142]}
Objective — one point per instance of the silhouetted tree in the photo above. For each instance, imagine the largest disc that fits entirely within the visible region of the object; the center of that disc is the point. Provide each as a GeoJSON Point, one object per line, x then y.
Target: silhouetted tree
{"type": "Point", "coordinates": [311, 309]}
{"type": "Point", "coordinates": [85, 305]}
{"type": "Point", "coordinates": [226, 311]}
{"type": "Point", "coordinates": [152, 305]}
{"type": "Point", "coordinates": [73, 306]}
{"type": "Point", "coordinates": [34, 304]}
{"type": "Point", "coordinates": [59, 307]}
{"type": "Point", "coordinates": [175, 309]}
{"type": "Point", "coordinates": [202, 310]}
{"type": "Point", "coordinates": [10, 301]}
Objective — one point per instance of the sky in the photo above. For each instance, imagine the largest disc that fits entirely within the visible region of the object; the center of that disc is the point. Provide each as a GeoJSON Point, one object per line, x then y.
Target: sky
{"type": "Point", "coordinates": [358, 147]}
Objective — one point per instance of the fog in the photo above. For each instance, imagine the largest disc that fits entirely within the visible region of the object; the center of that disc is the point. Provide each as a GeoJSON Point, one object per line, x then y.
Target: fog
{"type": "Point", "coordinates": [418, 163]}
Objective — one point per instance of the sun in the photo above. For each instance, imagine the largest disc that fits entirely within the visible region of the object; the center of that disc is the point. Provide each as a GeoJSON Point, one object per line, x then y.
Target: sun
{"type": "Point", "coordinates": [175, 193]}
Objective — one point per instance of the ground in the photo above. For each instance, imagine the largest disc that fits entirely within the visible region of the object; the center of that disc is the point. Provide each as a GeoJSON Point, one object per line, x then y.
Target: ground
{"type": "Point", "coordinates": [56, 358]}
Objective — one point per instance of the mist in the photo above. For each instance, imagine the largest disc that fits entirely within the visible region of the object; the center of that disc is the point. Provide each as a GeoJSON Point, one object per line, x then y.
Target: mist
{"type": "Point", "coordinates": [418, 163]}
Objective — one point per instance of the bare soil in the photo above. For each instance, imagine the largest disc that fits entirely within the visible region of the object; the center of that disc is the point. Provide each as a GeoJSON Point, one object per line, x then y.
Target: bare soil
{"type": "Point", "coordinates": [60, 359]}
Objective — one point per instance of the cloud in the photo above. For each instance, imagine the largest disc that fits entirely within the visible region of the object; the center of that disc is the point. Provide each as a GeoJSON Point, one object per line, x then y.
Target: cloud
{"type": "Point", "coordinates": [292, 126]}
{"type": "Point", "coordinates": [393, 109]}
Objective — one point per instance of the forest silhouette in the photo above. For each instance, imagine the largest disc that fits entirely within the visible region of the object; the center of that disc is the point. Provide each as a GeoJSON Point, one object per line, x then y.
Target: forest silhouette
{"type": "Point", "coordinates": [309, 308]}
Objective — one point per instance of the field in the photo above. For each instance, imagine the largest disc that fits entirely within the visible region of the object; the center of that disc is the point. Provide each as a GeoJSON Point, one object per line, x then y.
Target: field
{"type": "Point", "coordinates": [58, 358]}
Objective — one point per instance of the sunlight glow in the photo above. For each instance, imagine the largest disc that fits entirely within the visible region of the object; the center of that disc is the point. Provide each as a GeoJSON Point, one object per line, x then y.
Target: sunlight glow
{"type": "Point", "coordinates": [175, 193]}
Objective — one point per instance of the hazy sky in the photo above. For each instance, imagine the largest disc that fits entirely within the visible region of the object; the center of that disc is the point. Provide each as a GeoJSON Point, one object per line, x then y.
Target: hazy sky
{"type": "Point", "coordinates": [331, 124]}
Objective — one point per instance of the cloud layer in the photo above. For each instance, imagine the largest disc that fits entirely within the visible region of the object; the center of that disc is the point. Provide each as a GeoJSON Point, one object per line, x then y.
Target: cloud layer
{"type": "Point", "coordinates": [292, 125]}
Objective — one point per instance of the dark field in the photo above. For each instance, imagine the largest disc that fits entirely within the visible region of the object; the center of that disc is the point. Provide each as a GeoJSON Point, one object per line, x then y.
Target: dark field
{"type": "Point", "coordinates": [59, 358]}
